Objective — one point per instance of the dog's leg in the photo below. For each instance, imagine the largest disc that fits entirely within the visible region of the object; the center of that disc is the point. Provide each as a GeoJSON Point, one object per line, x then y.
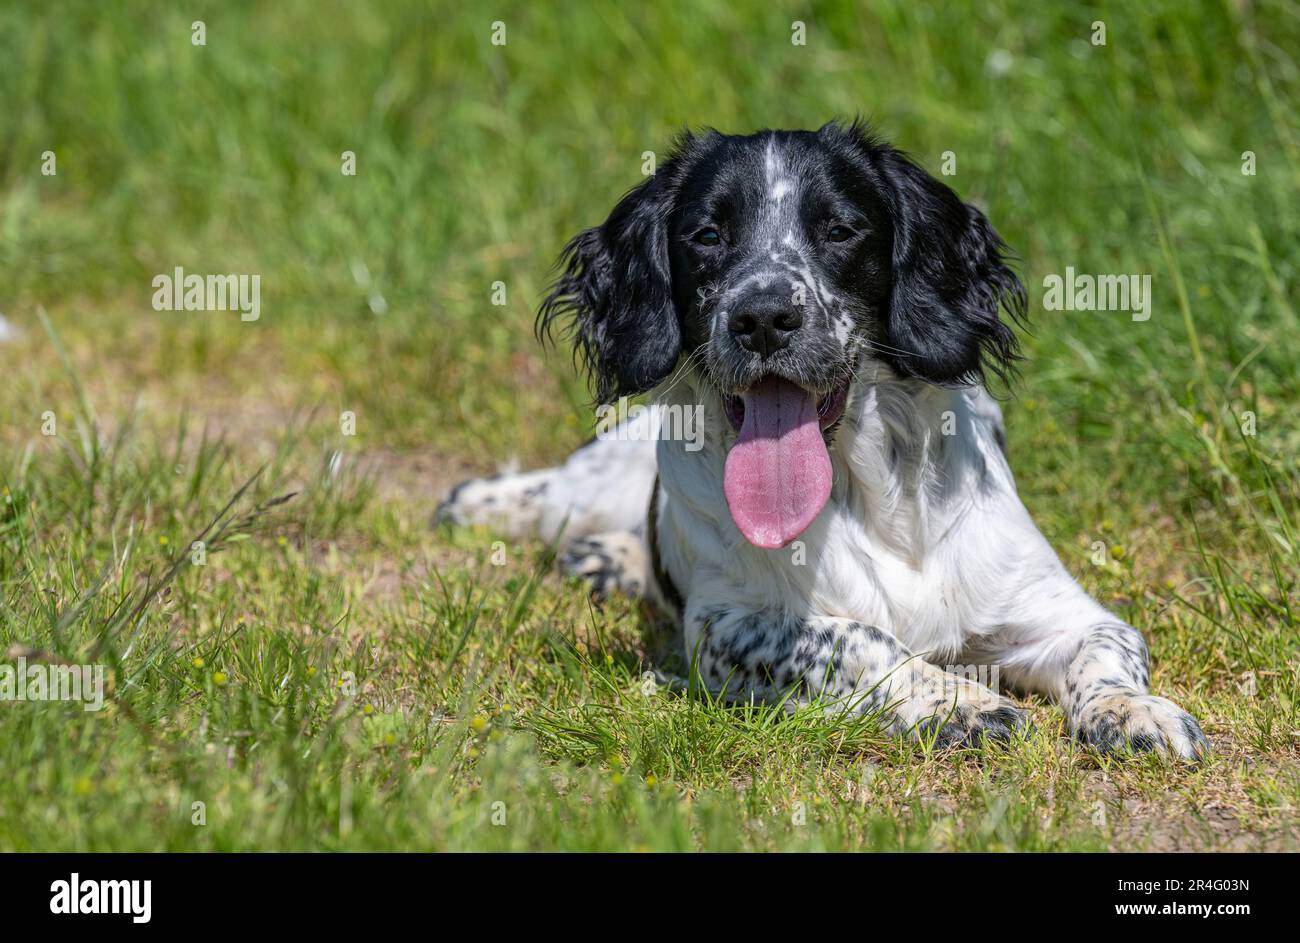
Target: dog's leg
{"type": "Point", "coordinates": [766, 655]}
{"type": "Point", "coordinates": [511, 503]}
{"type": "Point", "coordinates": [603, 487]}
{"type": "Point", "coordinates": [618, 560]}
{"type": "Point", "coordinates": [1106, 701]}
{"type": "Point", "coordinates": [1095, 666]}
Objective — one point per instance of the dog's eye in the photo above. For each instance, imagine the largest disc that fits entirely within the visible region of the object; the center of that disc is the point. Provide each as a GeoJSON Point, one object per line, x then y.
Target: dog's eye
{"type": "Point", "coordinates": [707, 237]}
{"type": "Point", "coordinates": [840, 234]}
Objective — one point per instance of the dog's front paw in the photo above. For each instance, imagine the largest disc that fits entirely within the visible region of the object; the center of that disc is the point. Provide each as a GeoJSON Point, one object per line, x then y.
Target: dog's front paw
{"type": "Point", "coordinates": [609, 562]}
{"type": "Point", "coordinates": [966, 725]}
{"type": "Point", "coordinates": [1140, 723]}
{"type": "Point", "coordinates": [956, 711]}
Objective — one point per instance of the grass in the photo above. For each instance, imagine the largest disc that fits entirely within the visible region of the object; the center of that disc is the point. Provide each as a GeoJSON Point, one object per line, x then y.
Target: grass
{"type": "Point", "coordinates": [337, 675]}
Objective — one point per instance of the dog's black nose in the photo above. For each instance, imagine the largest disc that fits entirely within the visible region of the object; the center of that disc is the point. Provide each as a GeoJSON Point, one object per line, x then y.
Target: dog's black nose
{"type": "Point", "coordinates": [764, 323]}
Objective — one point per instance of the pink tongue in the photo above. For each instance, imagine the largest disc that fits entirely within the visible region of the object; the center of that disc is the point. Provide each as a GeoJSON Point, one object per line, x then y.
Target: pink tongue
{"type": "Point", "coordinates": [778, 474]}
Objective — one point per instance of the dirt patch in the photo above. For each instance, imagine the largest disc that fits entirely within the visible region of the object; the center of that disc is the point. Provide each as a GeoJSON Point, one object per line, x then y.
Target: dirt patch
{"type": "Point", "coordinates": [1217, 813]}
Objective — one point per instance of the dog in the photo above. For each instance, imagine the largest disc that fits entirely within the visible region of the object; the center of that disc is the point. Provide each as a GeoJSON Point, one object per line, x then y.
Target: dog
{"type": "Point", "coordinates": [846, 528]}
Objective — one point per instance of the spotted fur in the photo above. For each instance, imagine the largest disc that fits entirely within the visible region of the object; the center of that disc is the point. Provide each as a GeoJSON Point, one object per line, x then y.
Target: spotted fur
{"type": "Point", "coordinates": [846, 665]}
{"type": "Point", "coordinates": [612, 562]}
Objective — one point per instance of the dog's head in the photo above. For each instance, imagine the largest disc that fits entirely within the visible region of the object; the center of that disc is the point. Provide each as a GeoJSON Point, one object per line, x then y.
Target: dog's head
{"type": "Point", "coordinates": [777, 262]}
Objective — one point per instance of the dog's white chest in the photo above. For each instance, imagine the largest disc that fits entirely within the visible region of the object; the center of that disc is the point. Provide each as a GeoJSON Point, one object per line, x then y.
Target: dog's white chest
{"type": "Point", "coordinates": [918, 601]}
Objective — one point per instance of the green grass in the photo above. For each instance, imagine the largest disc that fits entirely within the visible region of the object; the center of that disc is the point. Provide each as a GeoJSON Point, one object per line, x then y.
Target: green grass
{"type": "Point", "coordinates": [338, 675]}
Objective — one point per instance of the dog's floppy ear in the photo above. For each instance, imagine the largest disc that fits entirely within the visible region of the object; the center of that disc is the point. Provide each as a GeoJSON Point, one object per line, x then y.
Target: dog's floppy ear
{"type": "Point", "coordinates": [616, 283]}
{"type": "Point", "coordinates": [950, 279]}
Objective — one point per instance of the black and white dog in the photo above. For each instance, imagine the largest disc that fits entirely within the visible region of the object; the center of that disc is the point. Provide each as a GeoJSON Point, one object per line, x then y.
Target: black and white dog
{"type": "Point", "coordinates": [846, 524]}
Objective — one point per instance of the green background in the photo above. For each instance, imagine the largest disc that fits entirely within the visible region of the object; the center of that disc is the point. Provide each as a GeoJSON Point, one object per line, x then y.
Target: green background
{"type": "Point", "coordinates": [475, 162]}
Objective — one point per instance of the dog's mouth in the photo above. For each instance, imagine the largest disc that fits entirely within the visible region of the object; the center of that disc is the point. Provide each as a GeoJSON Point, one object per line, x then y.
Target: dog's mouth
{"type": "Point", "coordinates": [830, 406]}
{"type": "Point", "coordinates": [778, 473]}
